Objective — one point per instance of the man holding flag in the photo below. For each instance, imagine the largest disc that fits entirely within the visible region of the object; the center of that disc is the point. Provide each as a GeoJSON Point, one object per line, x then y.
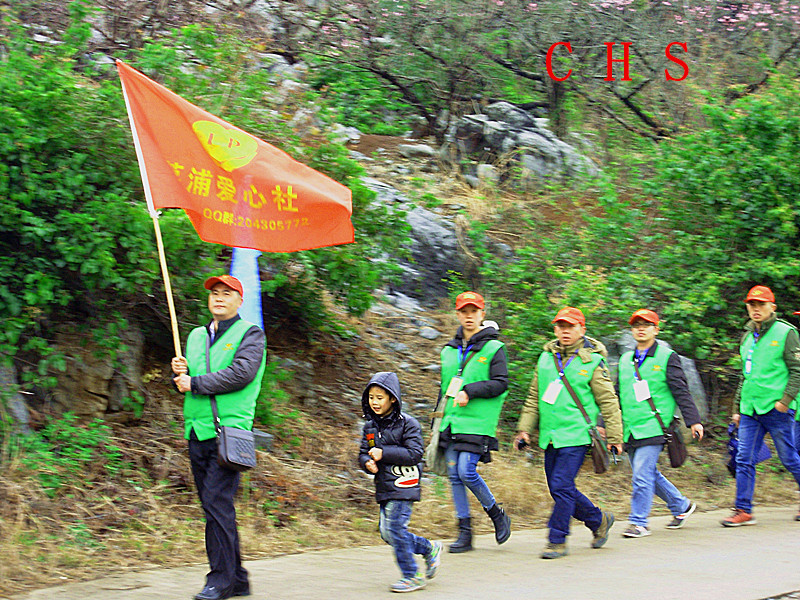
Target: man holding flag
{"type": "Point", "coordinates": [239, 191]}
{"type": "Point", "coordinates": [236, 359]}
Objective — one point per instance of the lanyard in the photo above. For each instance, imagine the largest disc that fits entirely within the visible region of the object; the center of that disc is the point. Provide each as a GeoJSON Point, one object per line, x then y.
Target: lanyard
{"type": "Point", "coordinates": [638, 360]}
{"type": "Point", "coordinates": [561, 369]}
{"type": "Point", "coordinates": [462, 353]}
{"type": "Point", "coordinates": [748, 363]}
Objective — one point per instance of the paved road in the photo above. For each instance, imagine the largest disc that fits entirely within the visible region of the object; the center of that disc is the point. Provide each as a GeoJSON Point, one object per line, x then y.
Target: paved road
{"type": "Point", "coordinates": [701, 561]}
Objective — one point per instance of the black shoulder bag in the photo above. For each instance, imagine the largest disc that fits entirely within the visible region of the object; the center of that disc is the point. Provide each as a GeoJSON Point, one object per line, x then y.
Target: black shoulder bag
{"type": "Point", "coordinates": [599, 452]}
{"type": "Point", "coordinates": [673, 438]}
{"type": "Point", "coordinates": [236, 448]}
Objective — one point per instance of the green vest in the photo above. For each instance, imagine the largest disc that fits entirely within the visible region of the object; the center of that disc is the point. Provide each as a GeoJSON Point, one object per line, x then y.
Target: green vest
{"type": "Point", "coordinates": [480, 415]}
{"type": "Point", "coordinates": [637, 417]}
{"type": "Point", "coordinates": [768, 376]}
{"type": "Point", "coordinates": [562, 423]}
{"type": "Point", "coordinates": [236, 409]}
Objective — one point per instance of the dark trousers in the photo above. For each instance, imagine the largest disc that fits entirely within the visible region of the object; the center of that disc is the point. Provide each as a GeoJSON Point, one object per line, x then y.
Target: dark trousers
{"type": "Point", "coordinates": [561, 466]}
{"type": "Point", "coordinates": [217, 487]}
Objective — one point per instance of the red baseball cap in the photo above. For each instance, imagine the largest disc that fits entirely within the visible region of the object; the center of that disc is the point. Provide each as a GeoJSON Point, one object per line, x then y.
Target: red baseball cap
{"type": "Point", "coordinates": [644, 314]}
{"type": "Point", "coordinates": [465, 298]}
{"type": "Point", "coordinates": [228, 280]}
{"type": "Point", "coordinates": [761, 293]}
{"type": "Point", "coordinates": [572, 315]}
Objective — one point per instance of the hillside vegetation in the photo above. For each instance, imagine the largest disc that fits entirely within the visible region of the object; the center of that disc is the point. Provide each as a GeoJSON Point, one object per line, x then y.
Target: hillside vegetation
{"type": "Point", "coordinates": [695, 204]}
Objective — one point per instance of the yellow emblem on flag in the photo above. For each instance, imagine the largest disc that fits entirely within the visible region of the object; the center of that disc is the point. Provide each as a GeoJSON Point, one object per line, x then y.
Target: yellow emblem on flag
{"type": "Point", "coordinates": [229, 148]}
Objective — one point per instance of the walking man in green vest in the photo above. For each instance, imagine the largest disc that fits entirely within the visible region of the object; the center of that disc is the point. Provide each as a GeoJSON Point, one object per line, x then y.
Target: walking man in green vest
{"type": "Point", "coordinates": [651, 376]}
{"type": "Point", "coordinates": [770, 351]}
{"type": "Point", "coordinates": [236, 361]}
{"type": "Point", "coordinates": [473, 388]}
{"type": "Point", "coordinates": [570, 388]}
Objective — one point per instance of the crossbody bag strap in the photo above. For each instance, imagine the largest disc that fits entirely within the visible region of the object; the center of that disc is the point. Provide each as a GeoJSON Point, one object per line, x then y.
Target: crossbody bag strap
{"type": "Point", "coordinates": [211, 397]}
{"type": "Point", "coordinates": [650, 399]}
{"type": "Point", "coordinates": [436, 414]}
{"type": "Point", "coordinates": [572, 393]}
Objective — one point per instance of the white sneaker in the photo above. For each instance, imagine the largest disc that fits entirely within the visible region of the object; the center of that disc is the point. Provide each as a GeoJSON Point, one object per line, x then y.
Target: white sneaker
{"type": "Point", "coordinates": [678, 520]}
{"type": "Point", "coordinates": [635, 531]}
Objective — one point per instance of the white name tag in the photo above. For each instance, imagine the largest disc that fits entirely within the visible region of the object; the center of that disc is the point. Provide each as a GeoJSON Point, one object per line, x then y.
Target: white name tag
{"type": "Point", "coordinates": [641, 390]}
{"type": "Point", "coordinates": [552, 391]}
{"type": "Point", "coordinates": [454, 387]}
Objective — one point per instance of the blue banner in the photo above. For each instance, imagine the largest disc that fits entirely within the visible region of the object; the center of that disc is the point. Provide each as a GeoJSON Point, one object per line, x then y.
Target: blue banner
{"type": "Point", "coordinates": [244, 266]}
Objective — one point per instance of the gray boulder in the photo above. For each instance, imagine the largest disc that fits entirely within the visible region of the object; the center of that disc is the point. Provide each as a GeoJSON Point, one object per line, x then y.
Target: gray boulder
{"type": "Point", "coordinates": [504, 130]}
{"type": "Point", "coordinates": [434, 248]}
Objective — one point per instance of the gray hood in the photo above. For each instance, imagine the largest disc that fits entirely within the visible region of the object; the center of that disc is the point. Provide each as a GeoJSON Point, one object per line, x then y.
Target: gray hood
{"type": "Point", "coordinates": [388, 381]}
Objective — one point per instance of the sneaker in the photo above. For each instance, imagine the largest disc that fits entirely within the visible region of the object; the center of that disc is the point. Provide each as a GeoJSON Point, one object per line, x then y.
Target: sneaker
{"type": "Point", "coordinates": [601, 533]}
{"type": "Point", "coordinates": [797, 517]}
{"type": "Point", "coordinates": [739, 518]}
{"type": "Point", "coordinates": [552, 550]}
{"type": "Point", "coordinates": [408, 584]}
{"type": "Point", "coordinates": [635, 531]}
{"type": "Point", "coordinates": [678, 520]}
{"type": "Point", "coordinates": [433, 559]}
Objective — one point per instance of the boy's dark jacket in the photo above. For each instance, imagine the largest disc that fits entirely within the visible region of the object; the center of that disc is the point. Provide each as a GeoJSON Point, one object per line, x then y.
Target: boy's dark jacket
{"type": "Point", "coordinates": [400, 437]}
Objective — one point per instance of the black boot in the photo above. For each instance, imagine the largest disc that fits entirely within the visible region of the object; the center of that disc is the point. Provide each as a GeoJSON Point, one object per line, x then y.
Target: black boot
{"type": "Point", "coordinates": [502, 524]}
{"type": "Point", "coordinates": [464, 541]}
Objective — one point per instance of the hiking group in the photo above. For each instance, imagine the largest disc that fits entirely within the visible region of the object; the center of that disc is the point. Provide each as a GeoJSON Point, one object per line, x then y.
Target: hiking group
{"type": "Point", "coordinates": [572, 399]}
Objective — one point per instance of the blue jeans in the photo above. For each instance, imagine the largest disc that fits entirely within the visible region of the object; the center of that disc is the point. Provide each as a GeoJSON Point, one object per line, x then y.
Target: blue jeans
{"type": "Point", "coordinates": [561, 466]}
{"type": "Point", "coordinates": [393, 525]}
{"type": "Point", "coordinates": [461, 469]}
{"type": "Point", "coordinates": [795, 431]}
{"type": "Point", "coordinates": [751, 433]}
{"type": "Point", "coordinates": [647, 480]}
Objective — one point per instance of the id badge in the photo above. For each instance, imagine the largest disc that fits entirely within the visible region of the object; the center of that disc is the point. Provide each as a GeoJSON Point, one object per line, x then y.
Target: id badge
{"type": "Point", "coordinates": [641, 390]}
{"type": "Point", "coordinates": [748, 366]}
{"type": "Point", "coordinates": [552, 392]}
{"type": "Point", "coordinates": [454, 387]}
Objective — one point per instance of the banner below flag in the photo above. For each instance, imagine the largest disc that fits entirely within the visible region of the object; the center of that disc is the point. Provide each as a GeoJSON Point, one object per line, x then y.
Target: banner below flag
{"type": "Point", "coordinates": [236, 189]}
{"type": "Point", "coordinates": [244, 266]}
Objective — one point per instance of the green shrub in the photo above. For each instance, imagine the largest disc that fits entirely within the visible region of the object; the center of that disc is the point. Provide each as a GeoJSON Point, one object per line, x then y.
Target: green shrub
{"type": "Point", "coordinates": [65, 453]}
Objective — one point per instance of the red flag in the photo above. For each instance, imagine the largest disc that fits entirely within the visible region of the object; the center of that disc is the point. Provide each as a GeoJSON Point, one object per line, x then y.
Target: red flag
{"type": "Point", "coordinates": [237, 189]}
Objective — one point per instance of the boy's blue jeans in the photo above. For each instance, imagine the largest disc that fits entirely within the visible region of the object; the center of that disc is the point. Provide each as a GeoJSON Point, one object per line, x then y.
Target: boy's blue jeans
{"type": "Point", "coordinates": [561, 466]}
{"type": "Point", "coordinates": [463, 474]}
{"type": "Point", "coordinates": [647, 480]}
{"type": "Point", "coordinates": [393, 524]}
{"type": "Point", "coordinates": [751, 433]}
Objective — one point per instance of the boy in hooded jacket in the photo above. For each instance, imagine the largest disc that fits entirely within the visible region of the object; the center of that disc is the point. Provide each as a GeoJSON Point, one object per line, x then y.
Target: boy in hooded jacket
{"type": "Point", "coordinates": [391, 449]}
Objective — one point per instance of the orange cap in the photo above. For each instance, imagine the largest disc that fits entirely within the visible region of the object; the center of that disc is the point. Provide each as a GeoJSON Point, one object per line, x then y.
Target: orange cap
{"type": "Point", "coordinates": [761, 293]}
{"type": "Point", "coordinates": [644, 314]}
{"type": "Point", "coordinates": [465, 298]}
{"type": "Point", "coordinates": [228, 280]}
{"type": "Point", "coordinates": [572, 315]}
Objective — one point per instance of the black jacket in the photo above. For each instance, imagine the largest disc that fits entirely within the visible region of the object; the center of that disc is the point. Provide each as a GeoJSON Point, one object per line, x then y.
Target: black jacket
{"type": "Point", "coordinates": [400, 437]}
{"type": "Point", "coordinates": [498, 368]}
{"type": "Point", "coordinates": [489, 388]}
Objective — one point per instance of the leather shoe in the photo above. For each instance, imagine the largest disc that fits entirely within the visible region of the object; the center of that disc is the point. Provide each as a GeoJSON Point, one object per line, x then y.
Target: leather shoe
{"type": "Point", "coordinates": [211, 592]}
{"type": "Point", "coordinates": [241, 589]}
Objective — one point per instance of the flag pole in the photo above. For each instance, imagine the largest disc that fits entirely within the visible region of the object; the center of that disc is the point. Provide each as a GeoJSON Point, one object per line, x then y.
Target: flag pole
{"type": "Point", "coordinates": [176, 338]}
